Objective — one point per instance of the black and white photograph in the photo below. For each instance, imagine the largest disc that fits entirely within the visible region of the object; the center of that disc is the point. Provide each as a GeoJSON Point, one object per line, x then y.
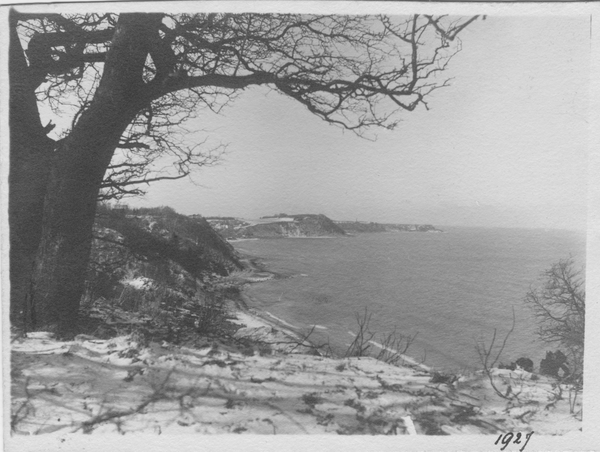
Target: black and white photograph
{"type": "Point", "coordinates": [224, 222]}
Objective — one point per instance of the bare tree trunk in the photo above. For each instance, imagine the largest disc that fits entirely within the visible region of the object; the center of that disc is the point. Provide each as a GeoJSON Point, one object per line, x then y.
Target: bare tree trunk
{"type": "Point", "coordinates": [69, 212]}
{"type": "Point", "coordinates": [77, 171]}
{"type": "Point", "coordinates": [30, 154]}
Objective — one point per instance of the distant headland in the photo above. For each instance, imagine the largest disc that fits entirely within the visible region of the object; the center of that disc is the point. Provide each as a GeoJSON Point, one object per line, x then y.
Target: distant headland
{"type": "Point", "coordinates": [364, 226]}
{"type": "Point", "coordinates": [303, 225]}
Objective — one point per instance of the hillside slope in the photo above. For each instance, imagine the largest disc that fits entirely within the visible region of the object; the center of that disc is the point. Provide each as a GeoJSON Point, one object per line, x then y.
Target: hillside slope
{"type": "Point", "coordinates": [162, 233]}
{"type": "Point", "coordinates": [157, 264]}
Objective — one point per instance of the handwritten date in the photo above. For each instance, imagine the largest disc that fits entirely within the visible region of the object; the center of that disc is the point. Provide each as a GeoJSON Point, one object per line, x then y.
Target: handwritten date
{"type": "Point", "coordinates": [516, 438]}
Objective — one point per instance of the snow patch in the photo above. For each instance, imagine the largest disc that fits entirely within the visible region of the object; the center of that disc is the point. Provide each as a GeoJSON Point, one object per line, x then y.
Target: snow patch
{"type": "Point", "coordinates": [138, 283]}
{"type": "Point", "coordinates": [40, 335]}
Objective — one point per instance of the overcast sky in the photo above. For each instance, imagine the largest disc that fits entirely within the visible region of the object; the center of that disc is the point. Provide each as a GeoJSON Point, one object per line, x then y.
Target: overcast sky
{"type": "Point", "coordinates": [504, 145]}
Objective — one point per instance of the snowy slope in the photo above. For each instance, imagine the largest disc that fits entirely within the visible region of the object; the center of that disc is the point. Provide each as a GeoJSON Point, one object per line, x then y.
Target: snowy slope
{"type": "Point", "coordinates": [123, 386]}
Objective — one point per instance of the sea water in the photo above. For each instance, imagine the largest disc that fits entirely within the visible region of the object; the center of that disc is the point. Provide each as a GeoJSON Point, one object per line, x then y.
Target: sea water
{"type": "Point", "coordinates": [451, 289]}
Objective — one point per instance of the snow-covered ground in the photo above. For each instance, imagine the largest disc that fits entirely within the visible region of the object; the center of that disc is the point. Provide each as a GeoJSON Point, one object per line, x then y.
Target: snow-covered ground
{"type": "Point", "coordinates": [123, 386]}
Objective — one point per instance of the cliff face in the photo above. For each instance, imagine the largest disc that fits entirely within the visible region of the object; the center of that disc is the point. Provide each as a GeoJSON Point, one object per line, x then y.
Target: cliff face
{"type": "Point", "coordinates": [304, 225]}
{"type": "Point", "coordinates": [307, 225]}
{"type": "Point", "coordinates": [360, 226]}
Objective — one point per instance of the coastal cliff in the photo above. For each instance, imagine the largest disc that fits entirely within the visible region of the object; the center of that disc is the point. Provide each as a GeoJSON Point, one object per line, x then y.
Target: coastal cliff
{"type": "Point", "coordinates": [304, 225]}
{"type": "Point", "coordinates": [282, 225]}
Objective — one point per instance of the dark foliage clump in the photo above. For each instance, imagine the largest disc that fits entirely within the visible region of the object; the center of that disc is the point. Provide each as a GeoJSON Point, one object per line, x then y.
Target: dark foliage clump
{"type": "Point", "coordinates": [559, 305]}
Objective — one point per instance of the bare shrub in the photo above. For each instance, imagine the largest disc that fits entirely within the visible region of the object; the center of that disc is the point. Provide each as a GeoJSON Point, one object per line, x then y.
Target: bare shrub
{"type": "Point", "coordinates": [210, 313]}
{"type": "Point", "coordinates": [392, 346]}
{"type": "Point", "coordinates": [361, 345]}
{"type": "Point", "coordinates": [559, 305]}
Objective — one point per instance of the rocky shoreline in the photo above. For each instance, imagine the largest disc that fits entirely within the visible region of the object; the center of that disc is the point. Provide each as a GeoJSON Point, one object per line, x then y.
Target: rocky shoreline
{"type": "Point", "coordinates": [259, 326]}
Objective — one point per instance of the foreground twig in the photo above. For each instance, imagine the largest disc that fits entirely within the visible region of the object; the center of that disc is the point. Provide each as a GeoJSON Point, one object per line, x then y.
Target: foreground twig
{"type": "Point", "coordinates": [26, 406]}
{"type": "Point", "coordinates": [158, 394]}
{"type": "Point", "coordinates": [485, 356]}
{"type": "Point", "coordinates": [361, 344]}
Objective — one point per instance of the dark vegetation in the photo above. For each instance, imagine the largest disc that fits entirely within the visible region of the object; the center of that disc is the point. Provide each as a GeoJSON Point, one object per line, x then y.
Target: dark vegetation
{"type": "Point", "coordinates": [162, 233]}
{"type": "Point", "coordinates": [160, 274]}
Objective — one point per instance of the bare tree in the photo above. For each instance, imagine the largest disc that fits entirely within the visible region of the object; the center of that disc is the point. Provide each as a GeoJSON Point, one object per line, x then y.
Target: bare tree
{"type": "Point", "coordinates": [121, 73]}
{"type": "Point", "coordinates": [559, 305]}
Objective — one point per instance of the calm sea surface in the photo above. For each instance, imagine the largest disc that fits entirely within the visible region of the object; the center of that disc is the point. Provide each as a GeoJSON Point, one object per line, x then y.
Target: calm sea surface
{"type": "Point", "coordinates": [451, 288]}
